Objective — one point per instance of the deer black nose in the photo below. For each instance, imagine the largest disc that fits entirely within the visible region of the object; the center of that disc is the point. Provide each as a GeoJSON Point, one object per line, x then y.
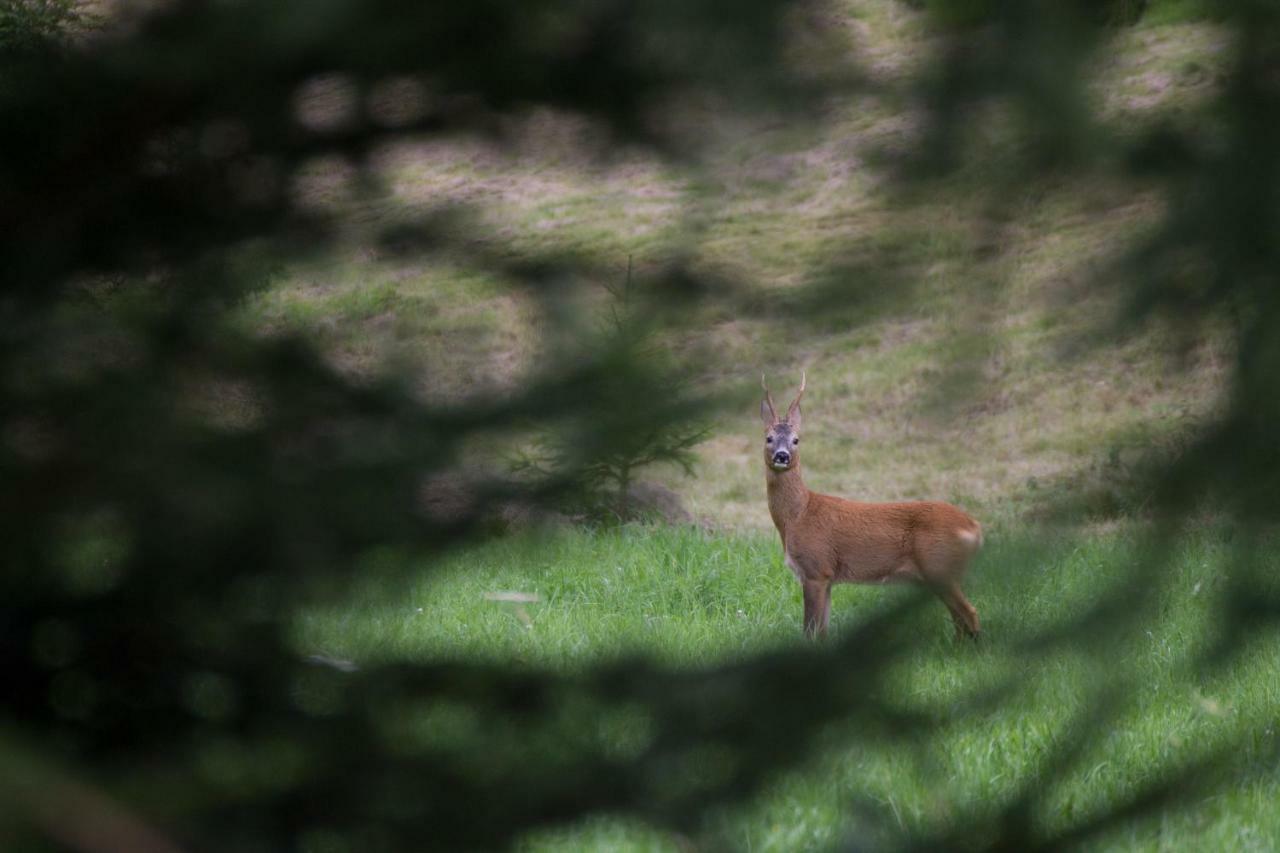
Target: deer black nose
{"type": "Point", "coordinates": [782, 457]}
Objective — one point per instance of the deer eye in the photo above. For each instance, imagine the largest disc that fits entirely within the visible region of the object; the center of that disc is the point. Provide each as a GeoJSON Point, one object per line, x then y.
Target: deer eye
{"type": "Point", "coordinates": [795, 440]}
{"type": "Point", "coordinates": [768, 439]}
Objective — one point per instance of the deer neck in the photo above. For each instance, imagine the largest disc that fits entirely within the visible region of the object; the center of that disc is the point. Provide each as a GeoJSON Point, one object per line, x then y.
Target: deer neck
{"type": "Point", "coordinates": [788, 497]}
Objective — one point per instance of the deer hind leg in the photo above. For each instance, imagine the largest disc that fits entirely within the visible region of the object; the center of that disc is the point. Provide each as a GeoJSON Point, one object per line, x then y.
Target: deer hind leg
{"type": "Point", "coordinates": [957, 619]}
{"type": "Point", "coordinates": [963, 614]}
{"type": "Point", "coordinates": [817, 608]}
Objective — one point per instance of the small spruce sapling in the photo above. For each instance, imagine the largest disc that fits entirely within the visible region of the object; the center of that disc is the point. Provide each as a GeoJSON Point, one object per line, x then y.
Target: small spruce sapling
{"type": "Point", "coordinates": [665, 429]}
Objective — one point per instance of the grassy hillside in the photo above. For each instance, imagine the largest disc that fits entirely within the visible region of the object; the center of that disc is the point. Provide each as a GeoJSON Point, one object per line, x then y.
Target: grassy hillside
{"type": "Point", "coordinates": [688, 598]}
{"type": "Point", "coordinates": [993, 310]}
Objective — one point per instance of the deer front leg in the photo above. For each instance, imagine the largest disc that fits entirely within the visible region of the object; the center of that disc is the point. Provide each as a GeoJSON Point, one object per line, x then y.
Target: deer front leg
{"type": "Point", "coordinates": [817, 608]}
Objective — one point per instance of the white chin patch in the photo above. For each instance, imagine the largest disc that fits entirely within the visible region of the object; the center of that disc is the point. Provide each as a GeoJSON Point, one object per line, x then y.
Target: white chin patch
{"type": "Point", "coordinates": [777, 467]}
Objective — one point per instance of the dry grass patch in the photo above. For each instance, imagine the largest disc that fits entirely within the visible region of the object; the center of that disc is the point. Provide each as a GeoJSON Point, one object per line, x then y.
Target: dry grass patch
{"type": "Point", "coordinates": [958, 372]}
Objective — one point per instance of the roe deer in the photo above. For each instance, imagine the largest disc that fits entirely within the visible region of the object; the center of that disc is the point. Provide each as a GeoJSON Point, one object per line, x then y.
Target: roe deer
{"type": "Point", "coordinates": [828, 540]}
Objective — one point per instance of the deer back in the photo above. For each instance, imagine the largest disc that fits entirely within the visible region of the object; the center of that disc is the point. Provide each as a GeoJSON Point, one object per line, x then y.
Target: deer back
{"type": "Point", "coordinates": [854, 541]}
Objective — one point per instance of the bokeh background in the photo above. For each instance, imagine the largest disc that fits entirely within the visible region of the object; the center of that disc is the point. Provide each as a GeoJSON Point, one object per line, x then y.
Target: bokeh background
{"type": "Point", "coordinates": [379, 448]}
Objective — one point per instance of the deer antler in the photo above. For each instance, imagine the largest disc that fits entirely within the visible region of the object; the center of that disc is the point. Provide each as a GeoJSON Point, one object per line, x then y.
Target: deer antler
{"type": "Point", "coordinates": [795, 404]}
{"type": "Point", "coordinates": [768, 399]}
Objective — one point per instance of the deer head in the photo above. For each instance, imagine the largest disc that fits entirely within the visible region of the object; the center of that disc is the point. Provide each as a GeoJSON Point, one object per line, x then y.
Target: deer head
{"type": "Point", "coordinates": [782, 437]}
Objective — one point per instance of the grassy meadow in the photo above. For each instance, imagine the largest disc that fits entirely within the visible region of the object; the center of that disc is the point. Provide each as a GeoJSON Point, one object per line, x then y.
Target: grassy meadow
{"type": "Point", "coordinates": [963, 354]}
{"type": "Point", "coordinates": [339, 335]}
{"type": "Point", "coordinates": [974, 376]}
{"type": "Point", "coordinates": [690, 598]}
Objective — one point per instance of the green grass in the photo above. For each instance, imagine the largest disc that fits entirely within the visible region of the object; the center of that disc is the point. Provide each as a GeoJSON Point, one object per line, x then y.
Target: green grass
{"type": "Point", "coordinates": [1162, 12]}
{"type": "Point", "coordinates": [690, 598]}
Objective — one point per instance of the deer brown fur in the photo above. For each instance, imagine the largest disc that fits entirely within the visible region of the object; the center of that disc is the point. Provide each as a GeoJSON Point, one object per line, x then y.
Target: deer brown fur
{"type": "Point", "coordinates": [828, 540]}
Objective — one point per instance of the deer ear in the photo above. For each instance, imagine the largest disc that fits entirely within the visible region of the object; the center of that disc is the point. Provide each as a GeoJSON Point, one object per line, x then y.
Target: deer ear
{"type": "Point", "coordinates": [767, 414]}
